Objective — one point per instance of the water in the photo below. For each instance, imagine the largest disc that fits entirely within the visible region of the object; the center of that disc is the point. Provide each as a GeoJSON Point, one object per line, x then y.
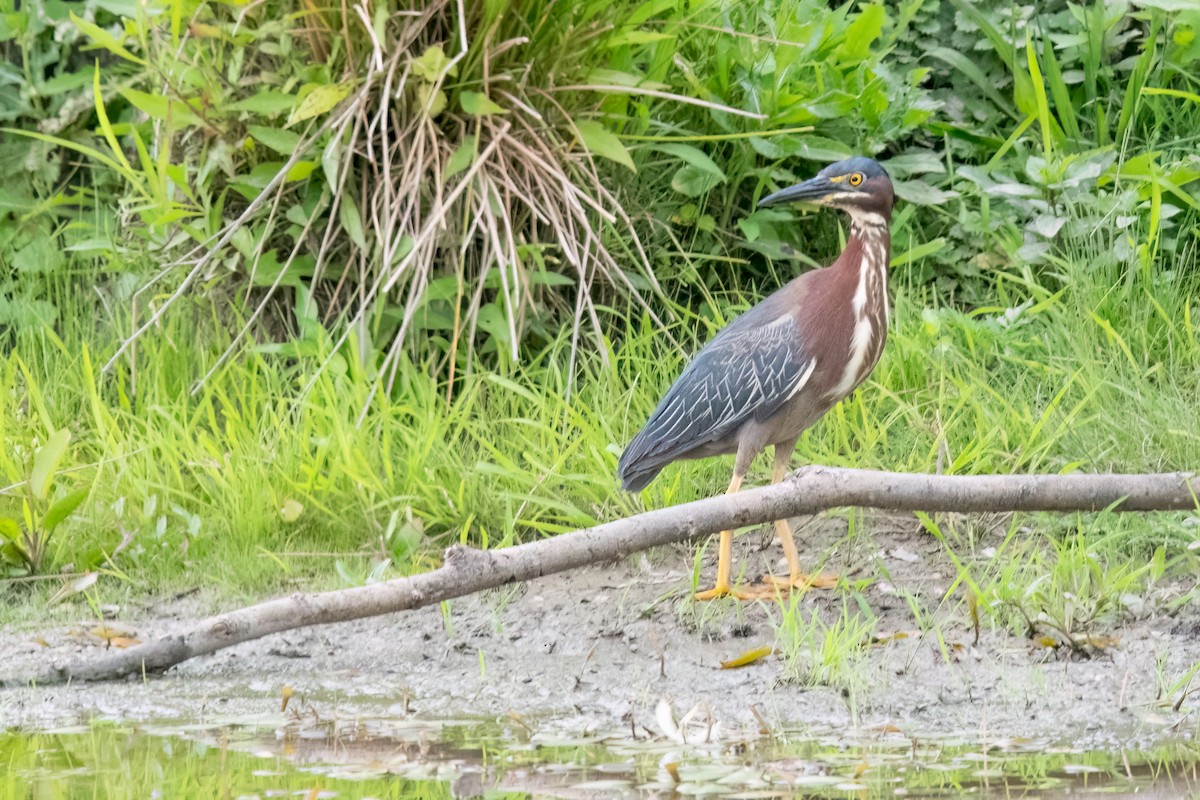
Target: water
{"type": "Point", "coordinates": [301, 755]}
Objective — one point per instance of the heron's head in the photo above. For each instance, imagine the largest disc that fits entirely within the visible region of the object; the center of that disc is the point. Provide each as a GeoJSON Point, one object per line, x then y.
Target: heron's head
{"type": "Point", "coordinates": [859, 186]}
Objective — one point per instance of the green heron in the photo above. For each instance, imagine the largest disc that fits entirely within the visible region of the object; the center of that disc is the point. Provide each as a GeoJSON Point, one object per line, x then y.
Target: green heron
{"type": "Point", "coordinates": [776, 369]}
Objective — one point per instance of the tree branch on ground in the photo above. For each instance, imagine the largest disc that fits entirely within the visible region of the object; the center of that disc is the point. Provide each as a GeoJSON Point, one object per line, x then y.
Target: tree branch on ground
{"type": "Point", "coordinates": [811, 490]}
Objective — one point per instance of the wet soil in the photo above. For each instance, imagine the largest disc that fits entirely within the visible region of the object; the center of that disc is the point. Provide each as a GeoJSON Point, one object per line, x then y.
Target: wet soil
{"type": "Point", "coordinates": [600, 647]}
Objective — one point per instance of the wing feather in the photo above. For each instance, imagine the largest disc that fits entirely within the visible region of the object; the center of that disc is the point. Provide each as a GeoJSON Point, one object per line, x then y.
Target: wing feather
{"type": "Point", "coordinates": [746, 372]}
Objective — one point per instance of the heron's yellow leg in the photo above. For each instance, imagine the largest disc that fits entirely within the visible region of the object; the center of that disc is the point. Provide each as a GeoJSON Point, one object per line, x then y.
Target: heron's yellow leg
{"type": "Point", "coordinates": [724, 557]}
{"type": "Point", "coordinates": [797, 578]}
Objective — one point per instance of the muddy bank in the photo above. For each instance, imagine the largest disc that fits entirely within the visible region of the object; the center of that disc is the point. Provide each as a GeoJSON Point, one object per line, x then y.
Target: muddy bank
{"type": "Point", "coordinates": [599, 647]}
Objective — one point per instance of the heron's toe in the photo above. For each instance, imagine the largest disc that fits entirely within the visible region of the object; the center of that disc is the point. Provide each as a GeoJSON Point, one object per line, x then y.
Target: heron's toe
{"type": "Point", "coordinates": [720, 590]}
{"type": "Point", "coordinates": [801, 582]}
{"type": "Point", "coordinates": [757, 592]}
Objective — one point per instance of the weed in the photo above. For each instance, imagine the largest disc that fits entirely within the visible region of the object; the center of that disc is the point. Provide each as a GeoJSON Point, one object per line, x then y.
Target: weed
{"type": "Point", "coordinates": [1074, 593]}
{"type": "Point", "coordinates": [24, 538]}
{"type": "Point", "coordinates": [820, 653]}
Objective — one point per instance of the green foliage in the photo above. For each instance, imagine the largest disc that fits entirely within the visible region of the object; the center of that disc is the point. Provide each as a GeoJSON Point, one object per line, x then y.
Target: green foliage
{"type": "Point", "coordinates": [34, 474]}
{"type": "Point", "coordinates": [442, 158]}
{"type": "Point", "coordinates": [1068, 598]}
{"type": "Point", "coordinates": [1050, 104]}
{"type": "Point", "coordinates": [813, 86]}
{"type": "Point", "coordinates": [1072, 592]}
{"type": "Point", "coordinates": [49, 223]}
{"type": "Point", "coordinates": [820, 653]}
{"type": "Point", "coordinates": [418, 199]}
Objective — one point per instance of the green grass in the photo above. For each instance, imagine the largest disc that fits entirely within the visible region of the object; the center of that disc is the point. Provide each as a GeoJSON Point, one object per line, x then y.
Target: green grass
{"type": "Point", "coordinates": [817, 652]}
{"type": "Point", "coordinates": [198, 476]}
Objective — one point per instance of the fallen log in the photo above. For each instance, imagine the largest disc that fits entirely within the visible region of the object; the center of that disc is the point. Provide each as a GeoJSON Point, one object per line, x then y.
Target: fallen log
{"type": "Point", "coordinates": [808, 491]}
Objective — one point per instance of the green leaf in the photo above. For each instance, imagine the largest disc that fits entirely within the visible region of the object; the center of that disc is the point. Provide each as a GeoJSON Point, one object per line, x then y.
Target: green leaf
{"type": "Point", "coordinates": [106, 128]}
{"type": "Point", "coordinates": [320, 99]}
{"type": "Point", "coordinates": [10, 529]}
{"type": "Point", "coordinates": [694, 157]}
{"type": "Point", "coordinates": [46, 462]}
{"type": "Point", "coordinates": [831, 105]}
{"type": "Point", "coordinates": [90, 152]}
{"type": "Point", "coordinates": [431, 99]}
{"type": "Point", "coordinates": [921, 193]}
{"type": "Point", "coordinates": [41, 256]}
{"type": "Point", "coordinates": [692, 181]}
{"type": "Point", "coordinates": [767, 148]}
{"type": "Point", "coordinates": [635, 37]}
{"type": "Point", "coordinates": [1039, 93]}
{"type": "Point", "coordinates": [612, 77]}
{"type": "Point", "coordinates": [67, 82]}
{"type": "Point", "coordinates": [282, 142]}
{"type": "Point", "coordinates": [104, 39]}
{"type": "Point", "coordinates": [862, 33]}
{"type": "Point", "coordinates": [267, 103]}
{"type": "Point", "coordinates": [291, 510]}
{"type": "Point", "coordinates": [479, 105]}
{"type": "Point", "coordinates": [352, 221]}
{"type": "Point", "coordinates": [62, 509]}
{"type": "Point", "coordinates": [915, 162]}
{"type": "Point", "coordinates": [759, 222]}
{"type": "Point", "coordinates": [492, 321]}
{"type": "Point", "coordinates": [403, 248]}
{"type": "Point", "coordinates": [269, 271]}
{"type": "Point", "coordinates": [972, 71]}
{"type": "Point", "coordinates": [156, 106]}
{"type": "Point", "coordinates": [923, 250]}
{"type": "Point", "coordinates": [1060, 91]}
{"type": "Point", "coordinates": [121, 8]}
{"type": "Point", "coordinates": [818, 148]}
{"type": "Point", "coordinates": [26, 312]}
{"type": "Point", "coordinates": [13, 198]}
{"type": "Point", "coordinates": [431, 63]}
{"type": "Point", "coordinates": [462, 157]}
{"type": "Point", "coordinates": [1182, 95]}
{"type": "Point", "coordinates": [600, 141]}
{"type": "Point", "coordinates": [551, 279]}
{"type": "Point", "coordinates": [301, 170]}
{"type": "Point", "coordinates": [331, 160]}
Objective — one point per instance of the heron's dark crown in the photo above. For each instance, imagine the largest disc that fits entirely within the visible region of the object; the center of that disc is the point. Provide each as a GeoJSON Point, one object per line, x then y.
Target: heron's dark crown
{"type": "Point", "coordinates": [867, 167]}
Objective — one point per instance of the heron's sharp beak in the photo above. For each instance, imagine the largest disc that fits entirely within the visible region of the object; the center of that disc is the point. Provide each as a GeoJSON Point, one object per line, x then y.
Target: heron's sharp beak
{"type": "Point", "coordinates": [811, 190]}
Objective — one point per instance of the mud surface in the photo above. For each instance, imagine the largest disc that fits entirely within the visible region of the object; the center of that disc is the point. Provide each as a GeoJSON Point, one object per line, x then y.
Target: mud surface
{"type": "Point", "coordinates": [599, 647]}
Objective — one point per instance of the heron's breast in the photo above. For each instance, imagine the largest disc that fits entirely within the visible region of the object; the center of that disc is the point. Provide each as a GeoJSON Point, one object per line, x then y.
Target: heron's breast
{"type": "Point", "coordinates": [847, 326]}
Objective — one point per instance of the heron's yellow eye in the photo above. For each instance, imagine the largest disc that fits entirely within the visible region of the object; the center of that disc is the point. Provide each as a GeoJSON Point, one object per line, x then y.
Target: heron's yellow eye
{"type": "Point", "coordinates": [856, 179]}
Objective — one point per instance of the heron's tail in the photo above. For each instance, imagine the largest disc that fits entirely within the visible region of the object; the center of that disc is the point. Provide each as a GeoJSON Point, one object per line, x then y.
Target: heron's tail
{"type": "Point", "coordinates": [637, 467]}
{"type": "Point", "coordinates": [634, 480]}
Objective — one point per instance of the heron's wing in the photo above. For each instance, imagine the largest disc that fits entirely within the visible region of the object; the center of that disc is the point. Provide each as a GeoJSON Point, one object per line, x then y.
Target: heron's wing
{"type": "Point", "coordinates": [747, 371]}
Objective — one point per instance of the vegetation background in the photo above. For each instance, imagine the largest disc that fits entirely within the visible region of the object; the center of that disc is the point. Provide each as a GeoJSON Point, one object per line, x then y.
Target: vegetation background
{"type": "Point", "coordinates": [296, 293]}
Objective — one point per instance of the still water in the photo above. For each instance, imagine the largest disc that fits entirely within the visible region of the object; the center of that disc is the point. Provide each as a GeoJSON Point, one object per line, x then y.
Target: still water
{"type": "Point", "coordinates": [303, 756]}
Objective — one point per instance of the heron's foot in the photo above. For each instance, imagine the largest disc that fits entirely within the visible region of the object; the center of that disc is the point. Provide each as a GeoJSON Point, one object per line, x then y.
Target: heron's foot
{"type": "Point", "coordinates": [775, 585]}
{"type": "Point", "coordinates": [724, 590]}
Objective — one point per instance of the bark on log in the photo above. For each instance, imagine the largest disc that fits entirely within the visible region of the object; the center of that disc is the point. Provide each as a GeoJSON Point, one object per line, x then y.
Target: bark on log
{"type": "Point", "coordinates": [808, 491]}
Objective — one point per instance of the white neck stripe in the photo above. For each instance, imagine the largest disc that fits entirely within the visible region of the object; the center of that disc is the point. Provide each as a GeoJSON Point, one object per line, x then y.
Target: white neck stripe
{"type": "Point", "coordinates": [866, 219]}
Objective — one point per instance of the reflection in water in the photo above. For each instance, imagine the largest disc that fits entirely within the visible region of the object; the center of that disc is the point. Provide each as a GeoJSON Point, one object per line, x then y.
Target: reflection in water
{"type": "Point", "coordinates": [301, 755]}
